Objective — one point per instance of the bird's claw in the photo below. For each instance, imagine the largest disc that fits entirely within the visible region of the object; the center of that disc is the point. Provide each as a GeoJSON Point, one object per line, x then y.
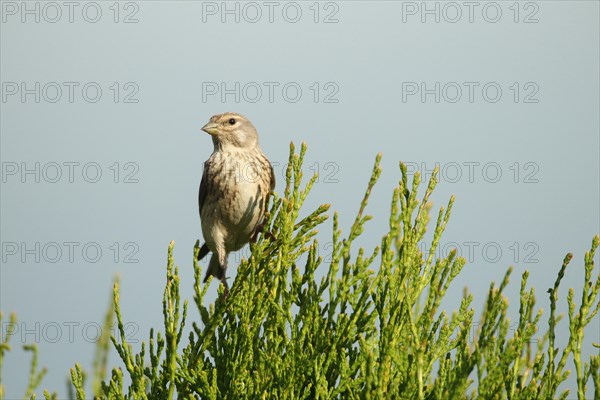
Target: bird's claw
{"type": "Point", "coordinates": [260, 228]}
{"type": "Point", "coordinates": [270, 235]}
{"type": "Point", "coordinates": [225, 288]}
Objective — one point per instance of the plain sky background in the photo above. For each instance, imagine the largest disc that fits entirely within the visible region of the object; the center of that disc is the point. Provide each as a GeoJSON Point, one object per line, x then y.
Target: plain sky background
{"type": "Point", "coordinates": [520, 152]}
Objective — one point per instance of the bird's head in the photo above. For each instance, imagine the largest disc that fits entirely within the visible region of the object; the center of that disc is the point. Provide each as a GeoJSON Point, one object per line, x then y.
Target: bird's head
{"type": "Point", "coordinates": [231, 129]}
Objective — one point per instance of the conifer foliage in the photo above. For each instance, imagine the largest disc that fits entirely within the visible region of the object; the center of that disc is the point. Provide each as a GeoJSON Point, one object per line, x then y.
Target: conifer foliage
{"type": "Point", "coordinates": [370, 328]}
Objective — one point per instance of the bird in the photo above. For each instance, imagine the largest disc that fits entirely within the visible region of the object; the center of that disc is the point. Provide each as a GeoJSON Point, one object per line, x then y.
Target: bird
{"type": "Point", "coordinates": [234, 191]}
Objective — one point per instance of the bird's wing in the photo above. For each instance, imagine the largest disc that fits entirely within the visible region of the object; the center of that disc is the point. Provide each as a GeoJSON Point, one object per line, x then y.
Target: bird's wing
{"type": "Point", "coordinates": [272, 187]}
{"type": "Point", "coordinates": [203, 190]}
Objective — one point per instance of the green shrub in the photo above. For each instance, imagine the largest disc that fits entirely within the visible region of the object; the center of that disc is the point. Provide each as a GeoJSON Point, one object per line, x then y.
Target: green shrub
{"type": "Point", "coordinates": [370, 328]}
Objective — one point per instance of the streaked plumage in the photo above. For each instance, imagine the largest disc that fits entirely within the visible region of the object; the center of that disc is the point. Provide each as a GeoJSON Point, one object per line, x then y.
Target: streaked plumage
{"type": "Point", "coordinates": [234, 190]}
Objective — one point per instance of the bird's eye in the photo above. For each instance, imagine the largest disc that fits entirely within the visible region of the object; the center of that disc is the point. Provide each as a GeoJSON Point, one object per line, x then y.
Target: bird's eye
{"type": "Point", "coordinates": [231, 121]}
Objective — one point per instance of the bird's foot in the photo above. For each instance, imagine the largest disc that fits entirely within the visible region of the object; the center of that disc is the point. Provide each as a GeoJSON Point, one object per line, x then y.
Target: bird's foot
{"type": "Point", "coordinates": [260, 228]}
{"type": "Point", "coordinates": [225, 288]}
{"type": "Point", "coordinates": [225, 293]}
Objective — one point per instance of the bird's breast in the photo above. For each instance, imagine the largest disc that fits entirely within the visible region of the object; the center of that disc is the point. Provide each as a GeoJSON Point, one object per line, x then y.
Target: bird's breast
{"type": "Point", "coordinates": [237, 189]}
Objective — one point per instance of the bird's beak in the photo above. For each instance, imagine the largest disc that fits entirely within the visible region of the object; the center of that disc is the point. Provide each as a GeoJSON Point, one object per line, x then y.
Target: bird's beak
{"type": "Point", "coordinates": [211, 128]}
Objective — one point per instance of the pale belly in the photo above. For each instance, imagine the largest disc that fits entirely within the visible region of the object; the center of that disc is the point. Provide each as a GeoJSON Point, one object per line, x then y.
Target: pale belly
{"type": "Point", "coordinates": [231, 221]}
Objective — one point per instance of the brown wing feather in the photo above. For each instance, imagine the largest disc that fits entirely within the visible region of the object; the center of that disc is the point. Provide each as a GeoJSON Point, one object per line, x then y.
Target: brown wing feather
{"type": "Point", "coordinates": [272, 177]}
{"type": "Point", "coordinates": [203, 191]}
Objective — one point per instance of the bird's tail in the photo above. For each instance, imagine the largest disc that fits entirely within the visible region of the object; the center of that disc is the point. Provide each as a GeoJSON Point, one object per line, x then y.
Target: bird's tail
{"type": "Point", "coordinates": [214, 268]}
